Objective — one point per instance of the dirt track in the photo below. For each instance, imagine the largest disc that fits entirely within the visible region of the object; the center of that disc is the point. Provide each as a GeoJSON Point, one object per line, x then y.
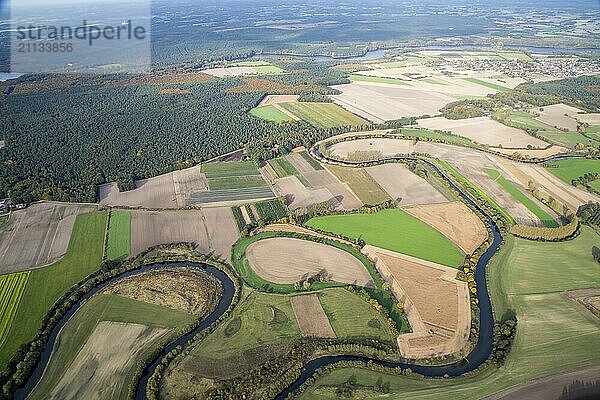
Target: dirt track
{"type": "Point", "coordinates": [38, 235]}
{"type": "Point", "coordinates": [311, 317]}
{"type": "Point", "coordinates": [436, 304]}
{"type": "Point", "coordinates": [454, 220]}
{"type": "Point", "coordinates": [288, 260]}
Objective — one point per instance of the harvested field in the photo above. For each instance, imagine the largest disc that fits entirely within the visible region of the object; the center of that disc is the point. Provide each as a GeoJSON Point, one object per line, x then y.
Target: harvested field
{"type": "Point", "coordinates": [304, 259]}
{"type": "Point", "coordinates": [171, 190]}
{"type": "Point", "coordinates": [299, 196]}
{"type": "Point", "coordinates": [38, 235]}
{"type": "Point", "coordinates": [376, 147]}
{"type": "Point", "coordinates": [185, 289]}
{"type": "Point", "coordinates": [380, 102]}
{"type": "Point", "coordinates": [323, 187]}
{"type": "Point", "coordinates": [534, 153]}
{"type": "Point", "coordinates": [402, 185]}
{"type": "Point", "coordinates": [175, 91]}
{"type": "Point", "coordinates": [222, 230]}
{"type": "Point", "coordinates": [591, 118]}
{"type": "Point", "coordinates": [471, 164]}
{"type": "Point", "coordinates": [310, 316]}
{"type": "Point", "coordinates": [150, 228]}
{"type": "Point", "coordinates": [454, 220]}
{"type": "Point", "coordinates": [436, 303]}
{"type": "Point", "coordinates": [484, 130]}
{"type": "Point", "coordinates": [548, 184]}
{"type": "Point", "coordinates": [232, 71]}
{"type": "Point", "coordinates": [277, 99]}
{"type": "Point", "coordinates": [361, 184]}
{"type": "Point", "coordinates": [557, 115]}
{"type": "Point", "coordinates": [100, 366]}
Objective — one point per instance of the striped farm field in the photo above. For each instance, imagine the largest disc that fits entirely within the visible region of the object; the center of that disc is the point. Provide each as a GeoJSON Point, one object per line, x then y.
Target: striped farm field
{"type": "Point", "coordinates": [11, 290]}
{"type": "Point", "coordinates": [323, 115]}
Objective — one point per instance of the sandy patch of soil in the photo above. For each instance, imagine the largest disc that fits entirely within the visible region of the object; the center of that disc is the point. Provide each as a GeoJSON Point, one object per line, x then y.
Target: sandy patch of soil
{"type": "Point", "coordinates": [311, 317]}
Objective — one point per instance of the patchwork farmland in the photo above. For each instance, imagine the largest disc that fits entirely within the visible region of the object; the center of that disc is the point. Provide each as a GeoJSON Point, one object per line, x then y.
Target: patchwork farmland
{"type": "Point", "coordinates": [454, 220]}
{"type": "Point", "coordinates": [426, 289]}
{"type": "Point", "coordinates": [484, 130]}
{"type": "Point", "coordinates": [313, 185]}
{"type": "Point", "coordinates": [38, 235]}
{"type": "Point", "coordinates": [379, 229]}
{"type": "Point", "coordinates": [171, 190]}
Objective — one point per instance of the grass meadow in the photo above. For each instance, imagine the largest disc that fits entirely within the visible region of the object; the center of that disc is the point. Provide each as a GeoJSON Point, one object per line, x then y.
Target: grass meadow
{"type": "Point", "coordinates": [393, 230]}
{"type": "Point", "coordinates": [270, 113]}
{"type": "Point", "coordinates": [119, 235]}
{"type": "Point", "coordinates": [323, 115]}
{"type": "Point", "coordinates": [554, 333]}
{"type": "Point", "coordinates": [103, 307]}
{"type": "Point", "coordinates": [46, 285]}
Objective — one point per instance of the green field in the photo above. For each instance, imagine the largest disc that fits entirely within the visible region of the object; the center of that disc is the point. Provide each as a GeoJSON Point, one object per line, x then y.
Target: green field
{"type": "Point", "coordinates": [377, 79]}
{"type": "Point", "coordinates": [261, 326]}
{"type": "Point", "coordinates": [361, 183]}
{"type": "Point", "coordinates": [3, 219]}
{"type": "Point", "coordinates": [525, 120]}
{"type": "Point", "coordinates": [554, 333]}
{"type": "Point", "coordinates": [313, 163]}
{"type": "Point", "coordinates": [11, 290]}
{"type": "Point", "coordinates": [570, 169]}
{"type": "Point", "coordinates": [487, 84]}
{"type": "Point", "coordinates": [233, 175]}
{"type": "Point", "coordinates": [119, 235]}
{"type": "Point", "coordinates": [522, 198]}
{"type": "Point", "coordinates": [352, 317]}
{"type": "Point", "coordinates": [284, 168]}
{"type": "Point", "coordinates": [323, 115]}
{"type": "Point", "coordinates": [46, 285]}
{"type": "Point", "coordinates": [393, 230]}
{"type": "Point", "coordinates": [270, 113]}
{"type": "Point", "coordinates": [102, 308]}
{"type": "Point", "coordinates": [474, 189]}
{"type": "Point", "coordinates": [262, 67]}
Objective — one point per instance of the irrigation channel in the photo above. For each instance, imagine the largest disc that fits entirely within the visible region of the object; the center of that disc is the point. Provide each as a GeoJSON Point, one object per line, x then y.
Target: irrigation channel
{"type": "Point", "coordinates": [476, 357]}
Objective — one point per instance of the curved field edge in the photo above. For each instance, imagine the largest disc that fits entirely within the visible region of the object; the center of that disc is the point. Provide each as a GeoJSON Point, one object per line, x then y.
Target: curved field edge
{"type": "Point", "coordinates": [381, 293]}
{"type": "Point", "coordinates": [380, 229]}
{"type": "Point", "coordinates": [79, 328]}
{"type": "Point", "coordinates": [554, 333]}
{"type": "Point", "coordinates": [46, 285]}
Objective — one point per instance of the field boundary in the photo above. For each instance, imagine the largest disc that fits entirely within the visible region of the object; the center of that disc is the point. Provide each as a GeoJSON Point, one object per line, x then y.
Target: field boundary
{"type": "Point", "coordinates": [457, 339]}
